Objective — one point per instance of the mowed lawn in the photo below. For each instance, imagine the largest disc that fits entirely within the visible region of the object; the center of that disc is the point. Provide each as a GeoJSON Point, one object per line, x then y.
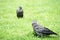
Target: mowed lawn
{"type": "Point", "coordinates": [46, 12]}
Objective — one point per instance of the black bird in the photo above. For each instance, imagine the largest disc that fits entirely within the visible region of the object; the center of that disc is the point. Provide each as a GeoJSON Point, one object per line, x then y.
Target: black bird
{"type": "Point", "coordinates": [40, 30]}
{"type": "Point", "coordinates": [20, 12]}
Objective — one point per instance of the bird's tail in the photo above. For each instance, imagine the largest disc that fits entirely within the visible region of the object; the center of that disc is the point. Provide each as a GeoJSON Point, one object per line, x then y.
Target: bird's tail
{"type": "Point", "coordinates": [55, 33]}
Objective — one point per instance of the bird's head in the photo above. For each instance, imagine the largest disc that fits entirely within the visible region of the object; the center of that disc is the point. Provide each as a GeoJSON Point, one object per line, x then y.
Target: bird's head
{"type": "Point", "coordinates": [20, 7]}
{"type": "Point", "coordinates": [34, 22]}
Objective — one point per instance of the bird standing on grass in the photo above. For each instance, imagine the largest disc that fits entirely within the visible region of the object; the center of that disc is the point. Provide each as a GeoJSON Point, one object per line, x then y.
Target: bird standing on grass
{"type": "Point", "coordinates": [20, 12]}
{"type": "Point", "coordinates": [40, 30]}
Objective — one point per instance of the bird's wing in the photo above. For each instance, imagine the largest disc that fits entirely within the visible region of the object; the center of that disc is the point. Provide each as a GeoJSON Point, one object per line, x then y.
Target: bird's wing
{"type": "Point", "coordinates": [47, 31]}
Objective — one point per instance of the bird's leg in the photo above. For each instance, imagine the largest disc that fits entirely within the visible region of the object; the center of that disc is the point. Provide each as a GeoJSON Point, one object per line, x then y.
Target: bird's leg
{"type": "Point", "coordinates": [40, 35]}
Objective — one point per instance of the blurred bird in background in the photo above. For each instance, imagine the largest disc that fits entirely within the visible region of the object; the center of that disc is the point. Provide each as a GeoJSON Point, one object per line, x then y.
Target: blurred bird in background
{"type": "Point", "coordinates": [40, 30]}
{"type": "Point", "coordinates": [20, 12]}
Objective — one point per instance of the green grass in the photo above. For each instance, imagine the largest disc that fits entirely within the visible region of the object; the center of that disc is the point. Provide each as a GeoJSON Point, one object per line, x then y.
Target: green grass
{"type": "Point", "coordinates": [46, 12]}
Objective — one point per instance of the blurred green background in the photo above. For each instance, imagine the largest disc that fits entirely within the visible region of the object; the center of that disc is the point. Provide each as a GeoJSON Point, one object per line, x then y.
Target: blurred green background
{"type": "Point", "coordinates": [46, 12]}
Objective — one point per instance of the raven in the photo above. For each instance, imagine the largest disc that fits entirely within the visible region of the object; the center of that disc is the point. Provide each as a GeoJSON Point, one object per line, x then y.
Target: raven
{"type": "Point", "coordinates": [20, 12]}
{"type": "Point", "coordinates": [40, 30]}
